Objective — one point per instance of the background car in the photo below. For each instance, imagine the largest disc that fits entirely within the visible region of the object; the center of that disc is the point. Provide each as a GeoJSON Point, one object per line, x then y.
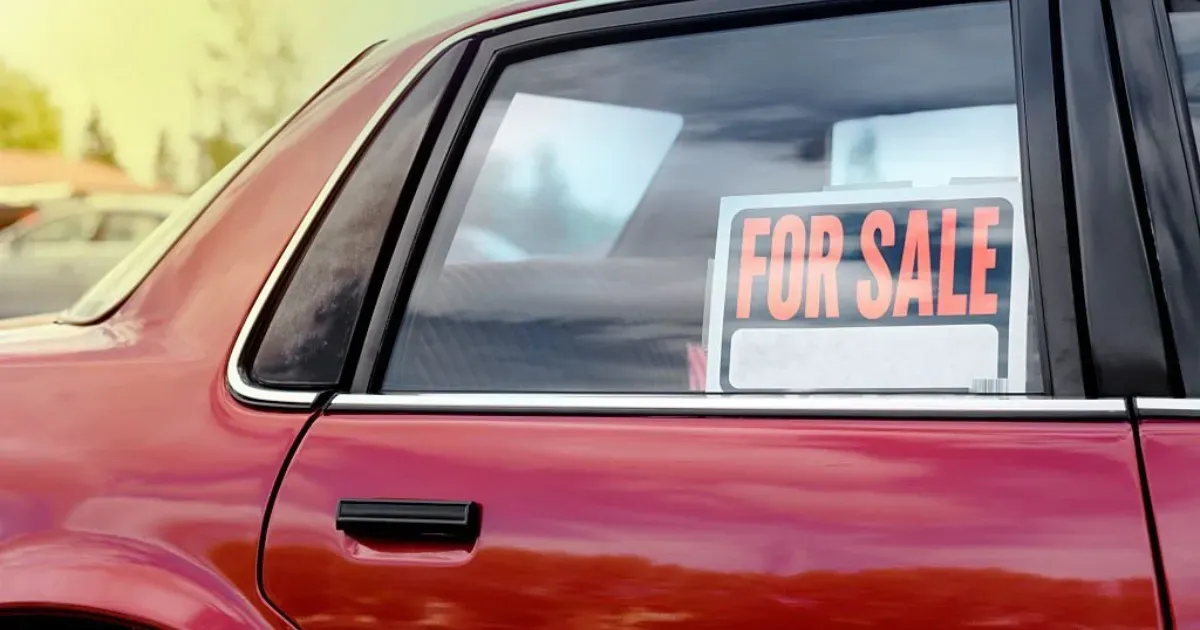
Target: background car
{"type": "Point", "coordinates": [11, 213]}
{"type": "Point", "coordinates": [60, 248]}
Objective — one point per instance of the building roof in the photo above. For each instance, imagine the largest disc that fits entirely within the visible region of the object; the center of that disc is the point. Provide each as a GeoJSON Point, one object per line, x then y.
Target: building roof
{"type": "Point", "coordinates": [29, 168]}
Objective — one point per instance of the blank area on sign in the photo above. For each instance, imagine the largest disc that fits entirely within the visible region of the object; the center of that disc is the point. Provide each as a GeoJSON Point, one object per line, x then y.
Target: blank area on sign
{"type": "Point", "coordinates": [863, 357]}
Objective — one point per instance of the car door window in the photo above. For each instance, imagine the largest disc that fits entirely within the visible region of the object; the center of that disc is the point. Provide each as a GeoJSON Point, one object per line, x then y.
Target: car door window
{"type": "Point", "coordinates": [1185, 29]}
{"type": "Point", "coordinates": [722, 212]}
{"type": "Point", "coordinates": [126, 227]}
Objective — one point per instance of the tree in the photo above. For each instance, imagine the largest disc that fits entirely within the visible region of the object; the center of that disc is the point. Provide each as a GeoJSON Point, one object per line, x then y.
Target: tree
{"type": "Point", "coordinates": [550, 207]}
{"type": "Point", "coordinates": [216, 150]}
{"type": "Point", "coordinates": [253, 80]}
{"type": "Point", "coordinates": [557, 222]}
{"type": "Point", "coordinates": [98, 146]}
{"type": "Point", "coordinates": [28, 119]}
{"type": "Point", "coordinates": [166, 163]}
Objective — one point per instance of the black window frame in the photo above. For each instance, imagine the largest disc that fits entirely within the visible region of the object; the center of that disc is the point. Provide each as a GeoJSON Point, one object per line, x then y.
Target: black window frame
{"type": "Point", "coordinates": [1117, 282]}
{"type": "Point", "coordinates": [1167, 164]}
{"type": "Point", "coordinates": [1049, 182]}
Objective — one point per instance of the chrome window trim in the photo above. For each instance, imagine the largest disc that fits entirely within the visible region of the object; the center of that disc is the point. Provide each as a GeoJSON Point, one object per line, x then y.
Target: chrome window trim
{"type": "Point", "coordinates": [1181, 408]}
{"type": "Point", "coordinates": [235, 377]}
{"type": "Point", "coordinates": [821, 406]}
{"type": "Point", "coordinates": [707, 405]}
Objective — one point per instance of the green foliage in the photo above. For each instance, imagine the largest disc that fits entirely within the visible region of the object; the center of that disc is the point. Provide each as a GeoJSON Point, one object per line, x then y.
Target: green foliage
{"type": "Point", "coordinates": [252, 83]}
{"type": "Point", "coordinates": [98, 145]}
{"type": "Point", "coordinates": [216, 150]}
{"type": "Point", "coordinates": [28, 119]}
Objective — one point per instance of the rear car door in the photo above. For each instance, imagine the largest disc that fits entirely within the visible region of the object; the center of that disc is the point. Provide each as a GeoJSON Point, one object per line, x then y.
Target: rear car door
{"type": "Point", "coordinates": [723, 314]}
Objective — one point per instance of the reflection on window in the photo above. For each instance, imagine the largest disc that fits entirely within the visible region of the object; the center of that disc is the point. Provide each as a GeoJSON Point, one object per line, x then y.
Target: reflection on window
{"type": "Point", "coordinates": [929, 148]}
{"type": "Point", "coordinates": [1185, 28]}
{"type": "Point", "coordinates": [561, 177]}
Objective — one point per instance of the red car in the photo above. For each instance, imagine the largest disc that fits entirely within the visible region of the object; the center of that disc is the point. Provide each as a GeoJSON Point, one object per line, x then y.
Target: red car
{"type": "Point", "coordinates": [646, 314]}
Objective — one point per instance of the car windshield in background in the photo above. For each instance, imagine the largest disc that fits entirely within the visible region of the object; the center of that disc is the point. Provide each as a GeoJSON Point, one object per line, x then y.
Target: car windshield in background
{"type": "Point", "coordinates": [62, 247]}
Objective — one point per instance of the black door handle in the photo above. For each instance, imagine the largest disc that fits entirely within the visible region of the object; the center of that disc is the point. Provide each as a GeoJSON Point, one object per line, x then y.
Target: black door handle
{"type": "Point", "coordinates": [409, 521]}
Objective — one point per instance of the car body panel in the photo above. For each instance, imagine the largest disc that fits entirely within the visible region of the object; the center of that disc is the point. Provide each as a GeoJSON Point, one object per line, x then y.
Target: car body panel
{"type": "Point", "coordinates": [145, 583]}
{"type": "Point", "coordinates": [720, 524]}
{"type": "Point", "coordinates": [170, 462]}
{"type": "Point", "coordinates": [1171, 448]}
{"type": "Point", "coordinates": [21, 324]}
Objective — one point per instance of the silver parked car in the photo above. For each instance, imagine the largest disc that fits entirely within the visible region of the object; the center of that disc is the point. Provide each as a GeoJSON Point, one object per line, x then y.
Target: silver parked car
{"type": "Point", "coordinates": [51, 257]}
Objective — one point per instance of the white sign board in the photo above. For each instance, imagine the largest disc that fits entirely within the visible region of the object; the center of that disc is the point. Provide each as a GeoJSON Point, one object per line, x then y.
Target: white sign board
{"type": "Point", "coordinates": [918, 289]}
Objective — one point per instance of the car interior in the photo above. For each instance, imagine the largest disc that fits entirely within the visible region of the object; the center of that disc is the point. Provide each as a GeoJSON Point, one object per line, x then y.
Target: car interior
{"type": "Point", "coordinates": [759, 116]}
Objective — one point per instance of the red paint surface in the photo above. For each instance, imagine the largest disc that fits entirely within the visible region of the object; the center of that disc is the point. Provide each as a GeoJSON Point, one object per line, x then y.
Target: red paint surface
{"type": "Point", "coordinates": [1172, 453]}
{"type": "Point", "coordinates": [133, 485]}
{"type": "Point", "coordinates": [130, 482]}
{"type": "Point", "coordinates": [685, 523]}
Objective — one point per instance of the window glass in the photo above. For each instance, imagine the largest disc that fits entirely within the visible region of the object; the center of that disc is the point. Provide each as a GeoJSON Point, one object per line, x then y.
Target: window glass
{"type": "Point", "coordinates": [1185, 27]}
{"type": "Point", "coordinates": [787, 208]}
{"type": "Point", "coordinates": [67, 230]}
{"type": "Point", "coordinates": [307, 341]}
{"type": "Point", "coordinates": [542, 193]}
{"type": "Point", "coordinates": [127, 228]}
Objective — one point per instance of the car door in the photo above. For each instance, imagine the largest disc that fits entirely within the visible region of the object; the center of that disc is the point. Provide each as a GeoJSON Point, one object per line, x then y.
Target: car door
{"type": "Point", "coordinates": [1159, 47]}
{"type": "Point", "coordinates": [657, 334]}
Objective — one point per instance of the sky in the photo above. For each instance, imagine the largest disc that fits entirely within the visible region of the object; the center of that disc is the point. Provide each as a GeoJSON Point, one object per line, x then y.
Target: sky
{"type": "Point", "coordinates": [132, 59]}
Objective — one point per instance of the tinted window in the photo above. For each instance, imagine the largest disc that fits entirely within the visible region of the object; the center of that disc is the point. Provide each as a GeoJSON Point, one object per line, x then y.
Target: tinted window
{"type": "Point", "coordinates": [796, 207]}
{"type": "Point", "coordinates": [307, 340]}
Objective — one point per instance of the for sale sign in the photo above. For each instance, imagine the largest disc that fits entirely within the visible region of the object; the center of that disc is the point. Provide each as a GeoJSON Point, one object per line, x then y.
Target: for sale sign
{"type": "Point", "coordinates": [895, 289]}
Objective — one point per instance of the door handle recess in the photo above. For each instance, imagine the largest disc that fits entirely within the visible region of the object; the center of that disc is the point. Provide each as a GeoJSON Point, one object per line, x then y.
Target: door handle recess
{"type": "Point", "coordinates": [409, 521]}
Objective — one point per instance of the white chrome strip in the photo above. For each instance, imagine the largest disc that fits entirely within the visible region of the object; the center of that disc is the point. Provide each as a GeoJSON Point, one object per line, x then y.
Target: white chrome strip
{"type": "Point", "coordinates": [1149, 408]}
{"type": "Point", "coordinates": [236, 380]}
{"type": "Point", "coordinates": [884, 406]}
